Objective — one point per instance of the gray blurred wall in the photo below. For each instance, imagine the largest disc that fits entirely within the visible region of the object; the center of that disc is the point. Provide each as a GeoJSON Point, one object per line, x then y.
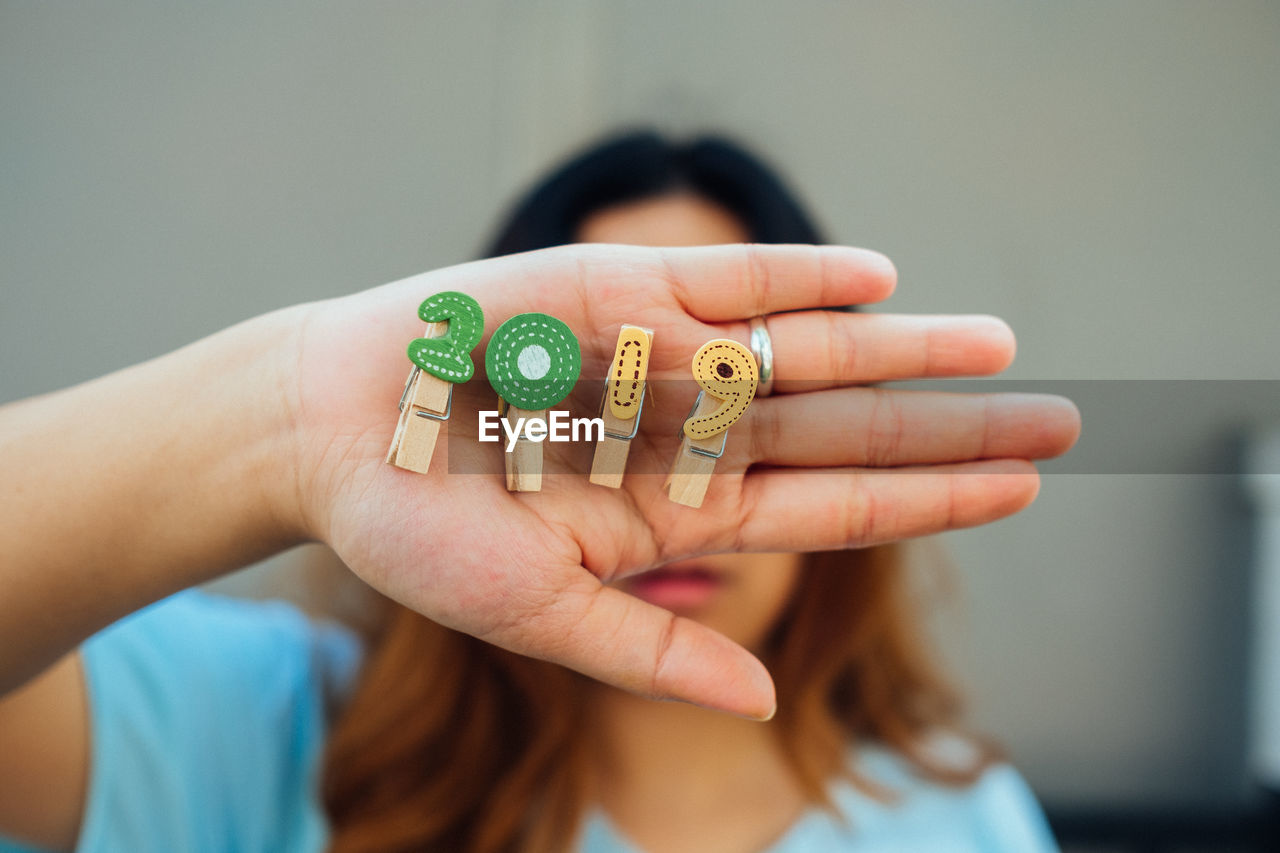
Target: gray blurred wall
{"type": "Point", "coordinates": [1103, 176]}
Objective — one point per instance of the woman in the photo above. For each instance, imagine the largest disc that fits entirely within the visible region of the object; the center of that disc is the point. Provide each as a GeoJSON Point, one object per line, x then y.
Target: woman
{"type": "Point", "coordinates": [200, 723]}
{"type": "Point", "coordinates": [862, 705]}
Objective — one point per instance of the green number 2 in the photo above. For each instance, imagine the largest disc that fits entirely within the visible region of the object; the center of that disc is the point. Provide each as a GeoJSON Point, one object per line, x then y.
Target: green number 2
{"type": "Point", "coordinates": [449, 356]}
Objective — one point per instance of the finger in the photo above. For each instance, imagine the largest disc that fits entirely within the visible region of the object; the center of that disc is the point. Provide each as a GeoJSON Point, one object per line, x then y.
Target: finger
{"type": "Point", "coordinates": [722, 283]}
{"type": "Point", "coordinates": [829, 509]}
{"type": "Point", "coordinates": [823, 349]}
{"type": "Point", "coordinates": [879, 428]}
{"type": "Point", "coordinates": [616, 638]}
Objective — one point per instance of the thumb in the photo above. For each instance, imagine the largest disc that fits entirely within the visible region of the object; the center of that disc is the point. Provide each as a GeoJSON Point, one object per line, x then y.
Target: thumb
{"type": "Point", "coordinates": [616, 638]}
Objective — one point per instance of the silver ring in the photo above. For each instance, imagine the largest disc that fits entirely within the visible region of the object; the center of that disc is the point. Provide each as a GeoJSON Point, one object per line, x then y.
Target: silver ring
{"type": "Point", "coordinates": [762, 349]}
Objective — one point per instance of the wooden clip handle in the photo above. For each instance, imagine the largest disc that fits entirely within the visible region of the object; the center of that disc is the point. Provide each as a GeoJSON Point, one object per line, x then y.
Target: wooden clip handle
{"type": "Point", "coordinates": [524, 462]}
{"type": "Point", "coordinates": [691, 472]}
{"type": "Point", "coordinates": [414, 442]}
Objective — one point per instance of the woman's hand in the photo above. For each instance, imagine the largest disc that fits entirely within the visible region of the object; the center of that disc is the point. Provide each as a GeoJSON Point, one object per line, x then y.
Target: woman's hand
{"type": "Point", "coordinates": [825, 463]}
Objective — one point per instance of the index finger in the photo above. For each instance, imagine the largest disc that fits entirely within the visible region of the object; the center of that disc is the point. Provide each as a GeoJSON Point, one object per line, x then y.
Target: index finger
{"type": "Point", "coordinates": [721, 283]}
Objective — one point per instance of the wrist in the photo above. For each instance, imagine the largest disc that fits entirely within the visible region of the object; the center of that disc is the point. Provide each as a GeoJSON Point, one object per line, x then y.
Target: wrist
{"type": "Point", "coordinates": [262, 390]}
{"type": "Point", "coordinates": [231, 478]}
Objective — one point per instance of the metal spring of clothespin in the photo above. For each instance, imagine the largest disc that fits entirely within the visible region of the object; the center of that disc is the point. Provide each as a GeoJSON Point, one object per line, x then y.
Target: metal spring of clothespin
{"type": "Point", "coordinates": [404, 398]}
{"type": "Point", "coordinates": [724, 436]}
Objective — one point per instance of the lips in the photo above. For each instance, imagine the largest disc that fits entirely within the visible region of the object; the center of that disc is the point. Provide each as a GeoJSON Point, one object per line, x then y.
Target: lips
{"type": "Point", "coordinates": [677, 588]}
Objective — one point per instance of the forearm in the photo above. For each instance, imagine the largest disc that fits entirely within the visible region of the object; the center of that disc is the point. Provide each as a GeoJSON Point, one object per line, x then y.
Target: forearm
{"type": "Point", "coordinates": [127, 488]}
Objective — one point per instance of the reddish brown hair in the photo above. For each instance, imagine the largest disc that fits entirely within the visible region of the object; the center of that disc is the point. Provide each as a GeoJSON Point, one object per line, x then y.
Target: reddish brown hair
{"type": "Point", "coordinates": [450, 744]}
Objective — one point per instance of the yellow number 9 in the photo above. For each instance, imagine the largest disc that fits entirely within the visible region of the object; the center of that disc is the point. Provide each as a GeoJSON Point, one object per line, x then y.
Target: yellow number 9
{"type": "Point", "coordinates": [727, 371]}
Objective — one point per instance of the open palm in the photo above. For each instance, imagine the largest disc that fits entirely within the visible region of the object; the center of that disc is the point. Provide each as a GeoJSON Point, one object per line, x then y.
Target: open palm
{"type": "Point", "coordinates": [804, 469]}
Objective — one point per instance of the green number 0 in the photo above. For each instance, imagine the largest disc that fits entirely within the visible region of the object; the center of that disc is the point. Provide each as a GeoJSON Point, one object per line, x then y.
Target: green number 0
{"type": "Point", "coordinates": [449, 356]}
{"type": "Point", "coordinates": [533, 361]}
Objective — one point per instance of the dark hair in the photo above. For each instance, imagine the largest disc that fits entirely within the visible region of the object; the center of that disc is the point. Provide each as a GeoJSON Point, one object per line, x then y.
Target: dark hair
{"type": "Point", "coordinates": [642, 165]}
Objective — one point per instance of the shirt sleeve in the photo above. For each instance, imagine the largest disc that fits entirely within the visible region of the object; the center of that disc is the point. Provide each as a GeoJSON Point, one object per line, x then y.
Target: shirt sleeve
{"type": "Point", "coordinates": [996, 814]}
{"type": "Point", "coordinates": [207, 720]}
{"type": "Point", "coordinates": [1006, 815]}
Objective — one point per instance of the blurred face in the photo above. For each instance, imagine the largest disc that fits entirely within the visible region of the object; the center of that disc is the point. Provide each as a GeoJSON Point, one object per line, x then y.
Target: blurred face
{"type": "Point", "coordinates": [739, 595]}
{"type": "Point", "coordinates": [679, 219]}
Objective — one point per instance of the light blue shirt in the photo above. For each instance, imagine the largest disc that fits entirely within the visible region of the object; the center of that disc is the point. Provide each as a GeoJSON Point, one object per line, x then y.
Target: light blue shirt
{"type": "Point", "coordinates": [208, 720]}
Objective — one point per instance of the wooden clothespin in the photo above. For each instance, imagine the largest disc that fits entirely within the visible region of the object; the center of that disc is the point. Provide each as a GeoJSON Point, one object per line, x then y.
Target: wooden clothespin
{"type": "Point", "coordinates": [532, 362]}
{"type": "Point", "coordinates": [441, 358]}
{"type": "Point", "coordinates": [727, 374]}
{"type": "Point", "coordinates": [623, 402]}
